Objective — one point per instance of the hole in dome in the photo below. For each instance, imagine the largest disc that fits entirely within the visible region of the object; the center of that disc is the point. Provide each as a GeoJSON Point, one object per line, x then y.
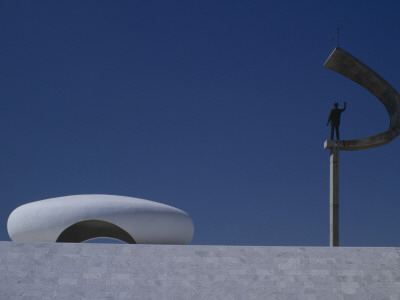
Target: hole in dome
{"type": "Point", "coordinates": [94, 230]}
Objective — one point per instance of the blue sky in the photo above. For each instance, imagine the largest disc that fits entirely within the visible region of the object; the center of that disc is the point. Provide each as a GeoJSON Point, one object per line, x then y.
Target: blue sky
{"type": "Point", "coordinates": [218, 108]}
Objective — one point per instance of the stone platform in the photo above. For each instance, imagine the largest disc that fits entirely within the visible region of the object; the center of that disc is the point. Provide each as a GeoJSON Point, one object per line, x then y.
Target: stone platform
{"type": "Point", "coordinates": [121, 271]}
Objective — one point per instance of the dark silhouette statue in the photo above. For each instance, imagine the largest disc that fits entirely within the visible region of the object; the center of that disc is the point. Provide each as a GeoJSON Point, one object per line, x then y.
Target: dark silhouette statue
{"type": "Point", "coordinates": [334, 119]}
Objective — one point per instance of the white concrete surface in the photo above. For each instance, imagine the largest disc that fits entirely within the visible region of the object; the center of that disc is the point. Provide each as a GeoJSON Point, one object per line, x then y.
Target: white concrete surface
{"type": "Point", "coordinates": [146, 221]}
{"type": "Point", "coordinates": [55, 271]}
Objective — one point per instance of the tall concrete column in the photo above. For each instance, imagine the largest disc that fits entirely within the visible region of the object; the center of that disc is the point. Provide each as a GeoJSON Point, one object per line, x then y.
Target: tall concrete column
{"type": "Point", "coordinates": [333, 192]}
{"type": "Point", "coordinates": [334, 197]}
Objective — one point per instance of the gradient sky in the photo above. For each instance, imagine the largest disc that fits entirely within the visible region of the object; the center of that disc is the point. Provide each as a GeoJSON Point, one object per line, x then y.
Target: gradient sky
{"type": "Point", "coordinates": [215, 107]}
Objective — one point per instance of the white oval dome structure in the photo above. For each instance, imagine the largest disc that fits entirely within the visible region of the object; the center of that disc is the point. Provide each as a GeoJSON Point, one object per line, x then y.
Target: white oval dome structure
{"type": "Point", "coordinates": [82, 217]}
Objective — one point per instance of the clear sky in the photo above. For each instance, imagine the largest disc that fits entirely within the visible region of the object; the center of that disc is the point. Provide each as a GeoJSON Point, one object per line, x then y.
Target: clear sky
{"type": "Point", "coordinates": [215, 107]}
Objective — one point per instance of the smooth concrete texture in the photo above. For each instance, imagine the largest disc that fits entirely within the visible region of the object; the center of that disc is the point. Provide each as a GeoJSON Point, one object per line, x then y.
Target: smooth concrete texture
{"type": "Point", "coordinates": [62, 218]}
{"type": "Point", "coordinates": [333, 193]}
{"type": "Point", "coordinates": [122, 271]}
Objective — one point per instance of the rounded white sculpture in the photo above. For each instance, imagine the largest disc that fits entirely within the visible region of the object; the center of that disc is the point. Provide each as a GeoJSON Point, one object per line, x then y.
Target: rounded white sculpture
{"type": "Point", "coordinates": [81, 217]}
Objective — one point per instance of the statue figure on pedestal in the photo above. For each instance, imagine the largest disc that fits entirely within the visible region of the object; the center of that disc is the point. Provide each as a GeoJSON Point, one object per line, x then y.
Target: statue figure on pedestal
{"type": "Point", "coordinates": [334, 119]}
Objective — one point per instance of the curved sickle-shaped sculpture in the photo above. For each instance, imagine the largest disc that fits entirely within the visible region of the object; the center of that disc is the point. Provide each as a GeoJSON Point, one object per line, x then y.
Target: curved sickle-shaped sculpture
{"type": "Point", "coordinates": [79, 218]}
{"type": "Point", "coordinates": [342, 62]}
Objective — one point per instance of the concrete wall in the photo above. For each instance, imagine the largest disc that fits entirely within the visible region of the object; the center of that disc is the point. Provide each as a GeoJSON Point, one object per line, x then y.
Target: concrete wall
{"type": "Point", "coordinates": [118, 271]}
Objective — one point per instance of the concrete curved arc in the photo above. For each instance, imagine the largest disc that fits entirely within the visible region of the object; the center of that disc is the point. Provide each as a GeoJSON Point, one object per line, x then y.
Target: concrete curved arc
{"type": "Point", "coordinates": [148, 222]}
{"type": "Point", "coordinates": [343, 63]}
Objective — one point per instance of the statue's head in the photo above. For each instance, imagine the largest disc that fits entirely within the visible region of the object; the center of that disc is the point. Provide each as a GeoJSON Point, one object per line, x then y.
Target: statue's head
{"type": "Point", "coordinates": [335, 104]}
